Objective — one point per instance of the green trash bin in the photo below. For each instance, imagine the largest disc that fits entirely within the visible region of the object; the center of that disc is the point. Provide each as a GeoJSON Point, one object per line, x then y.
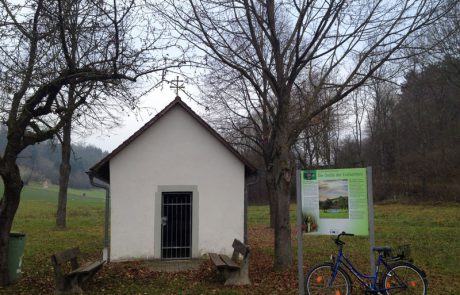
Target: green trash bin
{"type": "Point", "coordinates": [15, 253]}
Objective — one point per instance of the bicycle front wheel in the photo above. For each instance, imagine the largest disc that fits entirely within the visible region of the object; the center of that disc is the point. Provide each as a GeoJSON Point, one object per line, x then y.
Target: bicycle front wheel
{"type": "Point", "coordinates": [404, 278]}
{"type": "Point", "coordinates": [318, 281]}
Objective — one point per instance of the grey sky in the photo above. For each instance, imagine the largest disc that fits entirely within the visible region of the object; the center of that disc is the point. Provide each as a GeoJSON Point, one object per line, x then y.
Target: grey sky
{"type": "Point", "coordinates": [150, 105]}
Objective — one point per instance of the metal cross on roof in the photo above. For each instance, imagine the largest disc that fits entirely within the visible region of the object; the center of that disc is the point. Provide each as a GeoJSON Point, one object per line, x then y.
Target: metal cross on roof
{"type": "Point", "coordinates": [175, 84]}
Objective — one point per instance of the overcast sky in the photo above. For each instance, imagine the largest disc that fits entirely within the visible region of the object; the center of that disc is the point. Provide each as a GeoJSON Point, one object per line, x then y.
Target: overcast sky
{"type": "Point", "coordinates": [150, 105]}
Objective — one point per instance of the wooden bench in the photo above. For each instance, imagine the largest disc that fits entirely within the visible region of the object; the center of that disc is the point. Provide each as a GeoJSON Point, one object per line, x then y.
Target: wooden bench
{"type": "Point", "coordinates": [234, 271]}
{"type": "Point", "coordinates": [69, 278]}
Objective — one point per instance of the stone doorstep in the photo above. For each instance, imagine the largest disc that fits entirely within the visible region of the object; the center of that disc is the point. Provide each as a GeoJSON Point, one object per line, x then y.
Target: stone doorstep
{"type": "Point", "coordinates": [173, 265]}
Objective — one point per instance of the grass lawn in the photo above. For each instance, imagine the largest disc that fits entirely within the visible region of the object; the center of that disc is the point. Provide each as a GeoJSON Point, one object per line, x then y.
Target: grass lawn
{"type": "Point", "coordinates": [432, 231]}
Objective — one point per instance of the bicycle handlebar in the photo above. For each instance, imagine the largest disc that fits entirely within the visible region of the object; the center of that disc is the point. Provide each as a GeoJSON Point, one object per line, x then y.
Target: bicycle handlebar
{"type": "Point", "coordinates": [337, 240]}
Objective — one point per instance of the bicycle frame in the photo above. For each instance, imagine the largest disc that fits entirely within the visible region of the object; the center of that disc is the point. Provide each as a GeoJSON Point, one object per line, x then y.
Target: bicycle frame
{"type": "Point", "coordinates": [343, 260]}
{"type": "Point", "coordinates": [368, 281]}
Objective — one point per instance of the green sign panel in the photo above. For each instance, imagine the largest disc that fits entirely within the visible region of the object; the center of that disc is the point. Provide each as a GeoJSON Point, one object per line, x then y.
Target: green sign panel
{"type": "Point", "coordinates": [335, 200]}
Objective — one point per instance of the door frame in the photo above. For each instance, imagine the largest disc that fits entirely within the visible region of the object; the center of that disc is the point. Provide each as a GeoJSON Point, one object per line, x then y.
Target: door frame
{"type": "Point", "coordinates": [158, 204]}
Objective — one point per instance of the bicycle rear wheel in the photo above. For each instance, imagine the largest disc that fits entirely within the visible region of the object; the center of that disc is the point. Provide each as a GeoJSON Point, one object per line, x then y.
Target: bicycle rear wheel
{"type": "Point", "coordinates": [404, 278]}
{"type": "Point", "coordinates": [318, 279]}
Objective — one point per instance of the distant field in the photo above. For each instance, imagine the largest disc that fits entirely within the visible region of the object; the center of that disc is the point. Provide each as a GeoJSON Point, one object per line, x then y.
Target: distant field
{"type": "Point", "coordinates": [35, 191]}
{"type": "Point", "coordinates": [432, 231]}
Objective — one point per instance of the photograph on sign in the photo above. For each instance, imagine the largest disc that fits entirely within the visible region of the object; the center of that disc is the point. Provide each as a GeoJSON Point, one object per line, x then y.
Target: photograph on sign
{"type": "Point", "coordinates": [334, 200]}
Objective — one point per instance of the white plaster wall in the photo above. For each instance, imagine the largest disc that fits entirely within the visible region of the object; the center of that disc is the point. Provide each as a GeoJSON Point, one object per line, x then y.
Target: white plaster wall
{"type": "Point", "coordinates": [176, 150]}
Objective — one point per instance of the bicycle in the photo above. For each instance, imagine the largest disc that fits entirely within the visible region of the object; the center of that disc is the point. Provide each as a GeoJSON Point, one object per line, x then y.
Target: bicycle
{"type": "Point", "coordinates": [399, 277]}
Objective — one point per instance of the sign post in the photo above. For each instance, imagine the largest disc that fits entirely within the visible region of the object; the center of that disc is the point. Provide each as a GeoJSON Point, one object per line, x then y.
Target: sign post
{"type": "Point", "coordinates": [370, 202]}
{"type": "Point", "coordinates": [299, 232]}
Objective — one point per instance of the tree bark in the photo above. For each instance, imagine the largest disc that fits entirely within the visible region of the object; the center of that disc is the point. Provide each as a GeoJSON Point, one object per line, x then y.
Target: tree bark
{"type": "Point", "coordinates": [64, 174]}
{"type": "Point", "coordinates": [279, 180]}
{"type": "Point", "coordinates": [272, 204]}
{"type": "Point", "coordinates": [64, 168]}
{"type": "Point", "coordinates": [8, 206]}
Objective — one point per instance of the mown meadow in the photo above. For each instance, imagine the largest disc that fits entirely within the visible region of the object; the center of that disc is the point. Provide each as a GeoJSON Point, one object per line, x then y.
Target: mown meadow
{"type": "Point", "coordinates": [432, 231]}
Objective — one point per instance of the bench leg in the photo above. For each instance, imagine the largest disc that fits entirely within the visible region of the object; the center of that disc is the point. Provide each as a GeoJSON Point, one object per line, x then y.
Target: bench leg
{"type": "Point", "coordinates": [72, 286]}
{"type": "Point", "coordinates": [89, 277]}
{"type": "Point", "coordinates": [237, 277]}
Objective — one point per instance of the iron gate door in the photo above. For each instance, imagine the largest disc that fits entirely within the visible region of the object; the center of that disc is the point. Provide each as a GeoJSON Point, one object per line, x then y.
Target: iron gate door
{"type": "Point", "coordinates": [176, 227]}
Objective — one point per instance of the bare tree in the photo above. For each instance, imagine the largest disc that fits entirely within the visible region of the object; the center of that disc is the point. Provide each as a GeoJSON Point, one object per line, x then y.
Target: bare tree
{"type": "Point", "coordinates": [442, 41]}
{"type": "Point", "coordinates": [83, 122]}
{"type": "Point", "coordinates": [37, 65]}
{"type": "Point", "coordinates": [317, 144]}
{"type": "Point", "coordinates": [359, 103]}
{"type": "Point", "coordinates": [272, 44]}
{"type": "Point", "coordinates": [70, 13]}
{"type": "Point", "coordinates": [119, 95]}
{"type": "Point", "coordinates": [426, 116]}
{"type": "Point", "coordinates": [64, 167]}
{"type": "Point", "coordinates": [383, 99]}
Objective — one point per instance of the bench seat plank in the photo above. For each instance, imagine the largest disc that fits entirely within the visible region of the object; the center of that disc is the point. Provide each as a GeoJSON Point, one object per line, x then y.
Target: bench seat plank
{"type": "Point", "coordinates": [87, 268]}
{"type": "Point", "coordinates": [230, 263]}
{"type": "Point", "coordinates": [215, 258]}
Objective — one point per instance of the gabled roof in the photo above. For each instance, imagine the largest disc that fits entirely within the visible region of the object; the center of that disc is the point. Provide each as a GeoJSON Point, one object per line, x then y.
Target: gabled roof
{"type": "Point", "coordinates": [101, 169]}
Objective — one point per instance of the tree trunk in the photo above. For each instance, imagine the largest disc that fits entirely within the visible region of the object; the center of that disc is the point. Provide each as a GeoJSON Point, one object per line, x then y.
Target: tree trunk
{"type": "Point", "coordinates": [8, 207]}
{"type": "Point", "coordinates": [64, 168]}
{"type": "Point", "coordinates": [279, 178]}
{"type": "Point", "coordinates": [64, 174]}
{"type": "Point", "coordinates": [270, 192]}
{"type": "Point", "coordinates": [272, 213]}
{"type": "Point", "coordinates": [272, 205]}
{"type": "Point", "coordinates": [283, 250]}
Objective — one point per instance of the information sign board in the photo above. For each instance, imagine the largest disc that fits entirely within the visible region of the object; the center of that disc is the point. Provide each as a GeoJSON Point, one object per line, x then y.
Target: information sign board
{"type": "Point", "coordinates": [335, 200]}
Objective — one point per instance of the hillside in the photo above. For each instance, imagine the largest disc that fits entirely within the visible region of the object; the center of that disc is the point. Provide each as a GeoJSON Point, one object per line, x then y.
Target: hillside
{"type": "Point", "coordinates": [41, 162]}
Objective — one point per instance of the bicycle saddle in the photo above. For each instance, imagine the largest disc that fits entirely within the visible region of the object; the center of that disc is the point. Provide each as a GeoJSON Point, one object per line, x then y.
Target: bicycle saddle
{"type": "Point", "coordinates": [382, 249]}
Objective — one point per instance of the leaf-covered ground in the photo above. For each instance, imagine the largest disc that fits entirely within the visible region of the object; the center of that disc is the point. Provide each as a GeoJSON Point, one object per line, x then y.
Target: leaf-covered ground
{"type": "Point", "coordinates": [432, 231]}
